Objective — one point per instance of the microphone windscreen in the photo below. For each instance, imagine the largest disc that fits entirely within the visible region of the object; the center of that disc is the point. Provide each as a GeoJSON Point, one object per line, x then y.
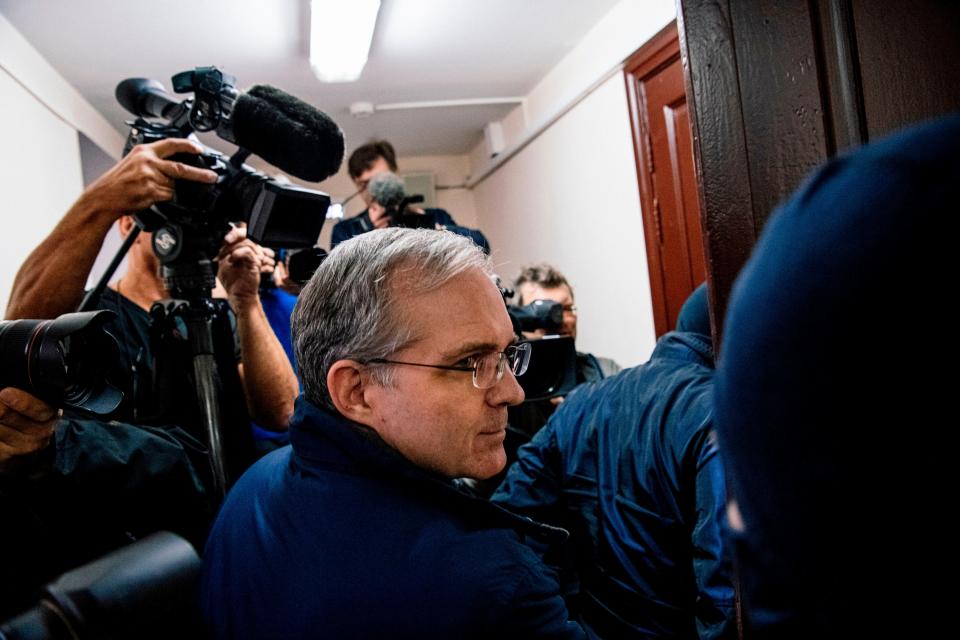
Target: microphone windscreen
{"type": "Point", "coordinates": [386, 189]}
{"type": "Point", "coordinates": [288, 133]}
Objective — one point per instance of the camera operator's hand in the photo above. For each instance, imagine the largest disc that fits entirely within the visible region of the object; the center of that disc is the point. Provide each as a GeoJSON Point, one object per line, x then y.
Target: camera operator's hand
{"type": "Point", "coordinates": [378, 215]}
{"type": "Point", "coordinates": [268, 379]}
{"type": "Point", "coordinates": [241, 261]}
{"type": "Point", "coordinates": [144, 176]}
{"type": "Point", "coordinates": [26, 427]}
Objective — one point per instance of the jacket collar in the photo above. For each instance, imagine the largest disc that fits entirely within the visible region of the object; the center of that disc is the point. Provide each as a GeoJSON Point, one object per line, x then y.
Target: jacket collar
{"type": "Point", "coordinates": [322, 439]}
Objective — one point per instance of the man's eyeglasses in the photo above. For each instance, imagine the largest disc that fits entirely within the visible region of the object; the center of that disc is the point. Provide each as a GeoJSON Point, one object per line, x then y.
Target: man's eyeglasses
{"type": "Point", "coordinates": [487, 368]}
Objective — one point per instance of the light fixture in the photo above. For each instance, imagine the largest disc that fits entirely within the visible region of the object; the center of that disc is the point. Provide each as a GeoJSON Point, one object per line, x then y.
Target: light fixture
{"type": "Point", "coordinates": [340, 35]}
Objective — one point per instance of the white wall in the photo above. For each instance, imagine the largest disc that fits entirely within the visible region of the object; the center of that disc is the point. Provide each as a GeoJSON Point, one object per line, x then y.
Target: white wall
{"type": "Point", "coordinates": [40, 170]}
{"type": "Point", "coordinates": [611, 41]}
{"type": "Point", "coordinates": [565, 190]}
{"type": "Point", "coordinates": [570, 198]}
{"type": "Point", "coordinates": [448, 171]}
{"type": "Point", "coordinates": [39, 175]}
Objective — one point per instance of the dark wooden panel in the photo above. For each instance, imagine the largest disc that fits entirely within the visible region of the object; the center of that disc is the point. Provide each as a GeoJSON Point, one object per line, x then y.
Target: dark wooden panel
{"type": "Point", "coordinates": [784, 124]}
{"type": "Point", "coordinates": [910, 60]}
{"type": "Point", "coordinates": [840, 75]}
{"type": "Point", "coordinates": [719, 144]}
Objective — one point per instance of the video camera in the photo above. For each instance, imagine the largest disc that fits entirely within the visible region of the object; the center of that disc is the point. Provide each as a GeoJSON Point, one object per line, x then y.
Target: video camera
{"type": "Point", "coordinates": [539, 314]}
{"type": "Point", "coordinates": [552, 370]}
{"type": "Point", "coordinates": [278, 127]}
{"type": "Point", "coordinates": [188, 231]}
{"type": "Point", "coordinates": [386, 189]}
{"type": "Point", "coordinates": [301, 265]}
{"type": "Point", "coordinates": [62, 361]}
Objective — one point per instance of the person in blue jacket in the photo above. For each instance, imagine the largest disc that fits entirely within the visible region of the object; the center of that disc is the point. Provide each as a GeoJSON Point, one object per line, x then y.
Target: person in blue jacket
{"type": "Point", "coordinates": [359, 529]}
{"type": "Point", "coordinates": [836, 395]}
{"type": "Point", "coordinates": [375, 158]}
{"type": "Point", "coordinates": [630, 466]}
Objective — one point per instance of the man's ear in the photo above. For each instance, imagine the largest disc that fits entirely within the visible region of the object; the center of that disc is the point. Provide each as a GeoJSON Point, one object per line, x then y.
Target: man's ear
{"type": "Point", "coordinates": [346, 382]}
{"type": "Point", "coordinates": [125, 225]}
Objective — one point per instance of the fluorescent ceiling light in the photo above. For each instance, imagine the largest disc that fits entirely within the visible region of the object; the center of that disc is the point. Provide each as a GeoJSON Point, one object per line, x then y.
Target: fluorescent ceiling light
{"type": "Point", "coordinates": [340, 35]}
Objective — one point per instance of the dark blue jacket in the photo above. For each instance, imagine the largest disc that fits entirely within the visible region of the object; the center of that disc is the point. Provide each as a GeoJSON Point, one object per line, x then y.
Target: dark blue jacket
{"type": "Point", "coordinates": [836, 394]}
{"type": "Point", "coordinates": [360, 223]}
{"type": "Point", "coordinates": [341, 537]}
{"type": "Point", "coordinates": [629, 466]}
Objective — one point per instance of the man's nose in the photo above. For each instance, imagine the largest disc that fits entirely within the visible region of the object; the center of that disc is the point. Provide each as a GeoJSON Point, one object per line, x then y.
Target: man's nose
{"type": "Point", "coordinates": [507, 391]}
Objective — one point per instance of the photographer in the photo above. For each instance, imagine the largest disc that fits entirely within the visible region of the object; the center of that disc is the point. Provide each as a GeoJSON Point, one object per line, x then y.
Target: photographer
{"type": "Point", "coordinates": [52, 279]}
{"type": "Point", "coordinates": [366, 163]}
{"type": "Point", "coordinates": [107, 483]}
{"type": "Point", "coordinates": [544, 282]}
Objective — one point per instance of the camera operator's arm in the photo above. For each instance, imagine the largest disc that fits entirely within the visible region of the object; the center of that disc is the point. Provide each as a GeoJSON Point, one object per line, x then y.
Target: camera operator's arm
{"type": "Point", "coordinates": [26, 428]}
{"type": "Point", "coordinates": [268, 379]}
{"type": "Point", "coordinates": [52, 279]}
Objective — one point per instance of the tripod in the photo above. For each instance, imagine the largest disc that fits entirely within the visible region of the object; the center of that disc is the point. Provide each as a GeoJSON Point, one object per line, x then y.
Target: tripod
{"type": "Point", "coordinates": [193, 325]}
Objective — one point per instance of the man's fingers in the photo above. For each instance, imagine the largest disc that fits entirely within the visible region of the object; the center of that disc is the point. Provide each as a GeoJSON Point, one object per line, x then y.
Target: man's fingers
{"type": "Point", "coordinates": [20, 439]}
{"type": "Point", "coordinates": [162, 194]}
{"type": "Point", "coordinates": [26, 405]}
{"type": "Point", "coordinates": [236, 234]}
{"type": "Point", "coordinates": [245, 253]}
{"type": "Point", "coordinates": [180, 171]}
{"type": "Point", "coordinates": [242, 253]}
{"type": "Point", "coordinates": [169, 146]}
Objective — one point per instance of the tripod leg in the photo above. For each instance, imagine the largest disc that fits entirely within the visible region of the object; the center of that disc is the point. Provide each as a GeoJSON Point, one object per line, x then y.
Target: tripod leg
{"type": "Point", "coordinates": [204, 371]}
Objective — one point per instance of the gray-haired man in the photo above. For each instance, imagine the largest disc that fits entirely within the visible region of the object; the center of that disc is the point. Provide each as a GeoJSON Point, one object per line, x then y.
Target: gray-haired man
{"type": "Point", "coordinates": [408, 358]}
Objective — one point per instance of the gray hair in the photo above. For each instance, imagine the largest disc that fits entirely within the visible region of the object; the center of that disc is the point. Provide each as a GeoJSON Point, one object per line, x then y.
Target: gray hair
{"type": "Point", "coordinates": [350, 308]}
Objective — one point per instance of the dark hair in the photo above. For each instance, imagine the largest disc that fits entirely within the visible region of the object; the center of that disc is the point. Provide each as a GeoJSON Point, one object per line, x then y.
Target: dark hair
{"type": "Point", "coordinates": [542, 275]}
{"type": "Point", "coordinates": [364, 156]}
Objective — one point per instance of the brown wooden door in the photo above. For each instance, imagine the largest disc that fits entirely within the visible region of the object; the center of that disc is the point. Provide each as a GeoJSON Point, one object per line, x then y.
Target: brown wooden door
{"type": "Point", "coordinates": [665, 168]}
{"type": "Point", "coordinates": [776, 87]}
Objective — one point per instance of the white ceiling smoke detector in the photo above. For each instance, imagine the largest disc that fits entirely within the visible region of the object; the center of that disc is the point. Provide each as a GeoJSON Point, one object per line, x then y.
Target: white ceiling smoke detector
{"type": "Point", "coordinates": [362, 109]}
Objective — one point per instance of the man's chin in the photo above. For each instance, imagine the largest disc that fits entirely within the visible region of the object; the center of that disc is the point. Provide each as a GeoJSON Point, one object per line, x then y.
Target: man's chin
{"type": "Point", "coordinates": [492, 464]}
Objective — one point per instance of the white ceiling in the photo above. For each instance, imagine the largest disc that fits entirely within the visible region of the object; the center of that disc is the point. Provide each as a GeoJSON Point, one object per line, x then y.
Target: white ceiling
{"type": "Point", "coordinates": [422, 50]}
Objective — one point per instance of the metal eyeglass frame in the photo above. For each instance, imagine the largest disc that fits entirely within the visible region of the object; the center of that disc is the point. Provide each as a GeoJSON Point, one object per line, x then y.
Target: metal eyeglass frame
{"type": "Point", "coordinates": [518, 355]}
